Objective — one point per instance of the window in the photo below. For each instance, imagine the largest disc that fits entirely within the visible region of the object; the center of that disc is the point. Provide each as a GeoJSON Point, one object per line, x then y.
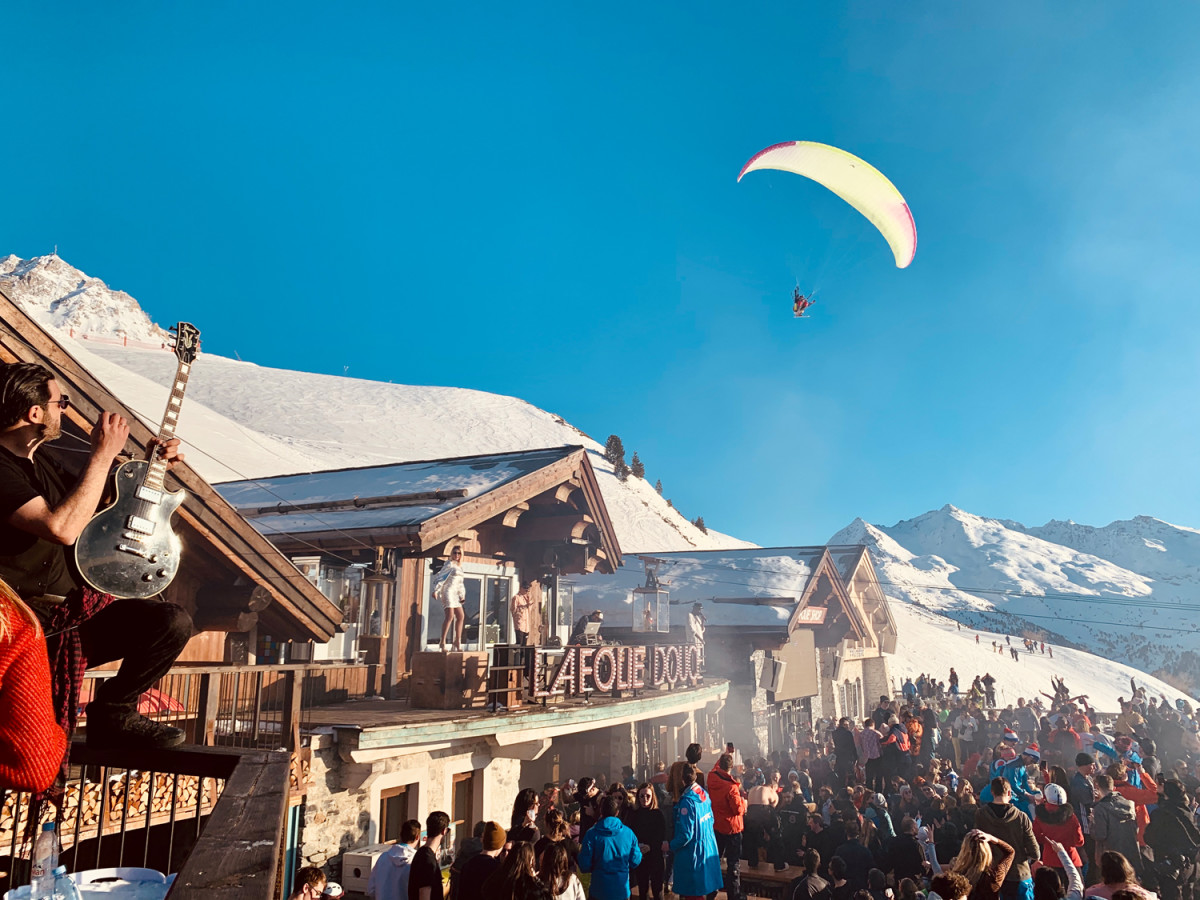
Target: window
{"type": "Point", "coordinates": [462, 815]}
{"type": "Point", "coordinates": [486, 605]}
{"type": "Point", "coordinates": [376, 605]}
{"type": "Point", "coordinates": [393, 812]}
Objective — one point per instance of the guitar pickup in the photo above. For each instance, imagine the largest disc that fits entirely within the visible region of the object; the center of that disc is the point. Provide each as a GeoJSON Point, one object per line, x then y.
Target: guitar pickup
{"type": "Point", "coordinates": [137, 523]}
{"type": "Point", "coordinates": [130, 536]}
{"type": "Point", "coordinates": [148, 494]}
{"type": "Point", "coordinates": [136, 551]}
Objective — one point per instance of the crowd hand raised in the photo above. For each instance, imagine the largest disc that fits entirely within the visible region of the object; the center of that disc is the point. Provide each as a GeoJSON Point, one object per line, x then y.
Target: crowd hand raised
{"type": "Point", "coordinates": [109, 435]}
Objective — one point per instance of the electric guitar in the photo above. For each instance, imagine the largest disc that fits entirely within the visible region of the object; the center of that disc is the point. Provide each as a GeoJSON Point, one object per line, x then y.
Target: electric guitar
{"type": "Point", "coordinates": [129, 550]}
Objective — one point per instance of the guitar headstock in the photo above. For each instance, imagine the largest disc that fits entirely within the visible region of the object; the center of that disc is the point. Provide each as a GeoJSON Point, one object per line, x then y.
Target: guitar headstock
{"type": "Point", "coordinates": [186, 341]}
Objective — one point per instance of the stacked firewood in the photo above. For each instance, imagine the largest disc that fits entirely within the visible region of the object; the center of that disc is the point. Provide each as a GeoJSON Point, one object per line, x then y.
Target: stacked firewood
{"type": "Point", "coordinates": [142, 789]}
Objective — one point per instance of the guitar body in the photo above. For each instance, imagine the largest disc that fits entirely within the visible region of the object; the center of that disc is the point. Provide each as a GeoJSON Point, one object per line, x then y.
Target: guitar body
{"type": "Point", "coordinates": [129, 550]}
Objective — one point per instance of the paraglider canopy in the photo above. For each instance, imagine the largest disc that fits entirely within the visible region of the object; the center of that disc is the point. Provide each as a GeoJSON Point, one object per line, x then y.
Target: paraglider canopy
{"type": "Point", "coordinates": [854, 180]}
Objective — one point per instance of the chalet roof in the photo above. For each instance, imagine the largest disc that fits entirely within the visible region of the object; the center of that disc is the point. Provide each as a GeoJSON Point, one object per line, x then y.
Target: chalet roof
{"type": "Point", "coordinates": [422, 502]}
{"type": "Point", "coordinates": [756, 588]}
{"type": "Point", "coordinates": [298, 610]}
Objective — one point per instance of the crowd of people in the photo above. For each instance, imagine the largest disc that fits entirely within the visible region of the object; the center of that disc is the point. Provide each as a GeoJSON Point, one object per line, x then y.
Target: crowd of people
{"type": "Point", "coordinates": [937, 797]}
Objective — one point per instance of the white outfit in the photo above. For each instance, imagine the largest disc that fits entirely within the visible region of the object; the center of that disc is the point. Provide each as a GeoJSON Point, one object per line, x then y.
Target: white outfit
{"type": "Point", "coordinates": [574, 890]}
{"type": "Point", "coordinates": [695, 625]}
{"type": "Point", "coordinates": [449, 587]}
{"type": "Point", "coordinates": [389, 876]}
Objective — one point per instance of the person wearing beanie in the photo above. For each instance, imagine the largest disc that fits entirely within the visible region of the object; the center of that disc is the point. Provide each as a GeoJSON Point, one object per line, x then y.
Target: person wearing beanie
{"type": "Point", "coordinates": [389, 875]}
{"type": "Point", "coordinates": [1054, 821]}
{"type": "Point", "coordinates": [1174, 837]}
{"type": "Point", "coordinates": [481, 867]}
{"type": "Point", "coordinates": [1024, 795]}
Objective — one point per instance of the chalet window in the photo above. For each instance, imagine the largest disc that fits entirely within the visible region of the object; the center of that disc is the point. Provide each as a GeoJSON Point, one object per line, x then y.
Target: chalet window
{"type": "Point", "coordinates": [462, 815]}
{"type": "Point", "coordinates": [486, 610]}
{"type": "Point", "coordinates": [393, 812]}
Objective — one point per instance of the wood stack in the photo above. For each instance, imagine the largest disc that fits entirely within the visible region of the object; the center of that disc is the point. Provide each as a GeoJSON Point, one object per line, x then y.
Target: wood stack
{"type": "Point", "coordinates": [134, 784]}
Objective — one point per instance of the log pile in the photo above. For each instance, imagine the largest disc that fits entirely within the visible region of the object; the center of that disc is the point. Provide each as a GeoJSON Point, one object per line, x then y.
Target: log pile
{"type": "Point", "coordinates": [144, 791]}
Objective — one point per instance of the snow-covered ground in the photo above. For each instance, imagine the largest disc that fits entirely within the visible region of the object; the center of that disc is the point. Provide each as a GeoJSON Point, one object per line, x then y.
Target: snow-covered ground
{"type": "Point", "coordinates": [1124, 590]}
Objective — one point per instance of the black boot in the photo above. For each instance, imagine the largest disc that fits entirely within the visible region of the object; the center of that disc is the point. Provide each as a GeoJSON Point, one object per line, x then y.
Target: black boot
{"type": "Point", "coordinates": [115, 727]}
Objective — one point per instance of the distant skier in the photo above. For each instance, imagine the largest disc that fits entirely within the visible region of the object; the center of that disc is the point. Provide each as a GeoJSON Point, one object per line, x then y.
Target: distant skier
{"type": "Point", "coordinates": [800, 303]}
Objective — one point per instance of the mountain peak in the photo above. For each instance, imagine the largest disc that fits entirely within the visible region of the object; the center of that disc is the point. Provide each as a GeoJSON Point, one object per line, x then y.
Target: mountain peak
{"type": "Point", "coordinates": [59, 296]}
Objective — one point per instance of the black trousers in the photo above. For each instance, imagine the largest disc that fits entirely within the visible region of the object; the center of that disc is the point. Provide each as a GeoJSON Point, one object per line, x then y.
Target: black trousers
{"type": "Point", "coordinates": [522, 638]}
{"type": "Point", "coordinates": [650, 872]}
{"type": "Point", "coordinates": [1178, 884]}
{"type": "Point", "coordinates": [147, 635]}
{"type": "Point", "coordinates": [729, 848]}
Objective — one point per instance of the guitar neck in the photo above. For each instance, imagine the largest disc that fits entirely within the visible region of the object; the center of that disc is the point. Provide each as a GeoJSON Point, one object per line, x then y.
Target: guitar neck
{"type": "Point", "coordinates": [158, 467]}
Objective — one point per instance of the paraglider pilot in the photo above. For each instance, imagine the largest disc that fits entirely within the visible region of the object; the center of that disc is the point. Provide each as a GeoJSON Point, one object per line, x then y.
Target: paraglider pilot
{"type": "Point", "coordinates": [800, 303]}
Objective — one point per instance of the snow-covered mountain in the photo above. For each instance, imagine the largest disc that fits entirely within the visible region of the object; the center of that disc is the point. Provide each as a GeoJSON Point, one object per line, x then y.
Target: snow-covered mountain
{"type": "Point", "coordinates": [245, 421]}
{"type": "Point", "coordinates": [1123, 591]}
{"type": "Point", "coordinates": [1126, 591]}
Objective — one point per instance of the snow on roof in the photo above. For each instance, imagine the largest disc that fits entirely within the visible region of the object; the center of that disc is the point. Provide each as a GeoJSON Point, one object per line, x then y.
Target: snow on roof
{"type": "Point", "coordinates": [704, 576]}
{"type": "Point", "coordinates": [476, 475]}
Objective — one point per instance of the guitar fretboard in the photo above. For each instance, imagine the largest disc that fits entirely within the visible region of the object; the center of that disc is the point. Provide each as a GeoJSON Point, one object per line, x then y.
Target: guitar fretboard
{"type": "Point", "coordinates": [158, 466]}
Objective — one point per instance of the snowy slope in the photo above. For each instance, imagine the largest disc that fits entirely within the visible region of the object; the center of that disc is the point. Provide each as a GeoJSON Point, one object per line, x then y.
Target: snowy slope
{"type": "Point", "coordinates": [246, 421]}
{"type": "Point", "coordinates": [989, 573]}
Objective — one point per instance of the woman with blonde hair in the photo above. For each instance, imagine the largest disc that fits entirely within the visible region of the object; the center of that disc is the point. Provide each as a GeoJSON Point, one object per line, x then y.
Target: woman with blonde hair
{"type": "Point", "coordinates": [32, 744]}
{"type": "Point", "coordinates": [984, 861]}
{"type": "Point", "coordinates": [450, 589]}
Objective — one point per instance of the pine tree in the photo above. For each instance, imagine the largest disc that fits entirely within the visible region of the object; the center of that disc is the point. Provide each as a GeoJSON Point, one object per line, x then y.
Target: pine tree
{"type": "Point", "coordinates": [614, 450]}
{"type": "Point", "coordinates": [658, 486]}
{"type": "Point", "coordinates": [636, 467]}
{"type": "Point", "coordinates": [670, 504]}
{"type": "Point", "coordinates": [622, 471]}
{"type": "Point", "coordinates": [699, 523]}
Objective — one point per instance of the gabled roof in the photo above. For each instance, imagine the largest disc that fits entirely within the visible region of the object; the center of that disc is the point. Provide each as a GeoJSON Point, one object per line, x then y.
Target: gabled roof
{"type": "Point", "coordinates": [754, 588]}
{"type": "Point", "coordinates": [415, 504]}
{"type": "Point", "coordinates": [861, 571]}
{"type": "Point", "coordinates": [299, 611]}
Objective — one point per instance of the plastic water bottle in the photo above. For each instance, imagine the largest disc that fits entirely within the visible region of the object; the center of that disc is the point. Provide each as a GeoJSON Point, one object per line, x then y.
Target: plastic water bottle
{"type": "Point", "coordinates": [45, 861]}
{"type": "Point", "coordinates": [64, 887]}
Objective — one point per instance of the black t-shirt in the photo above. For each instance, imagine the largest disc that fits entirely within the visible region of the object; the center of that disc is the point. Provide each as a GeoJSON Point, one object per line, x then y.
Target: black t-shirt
{"type": "Point", "coordinates": [30, 565]}
{"type": "Point", "coordinates": [426, 872]}
{"type": "Point", "coordinates": [474, 874]}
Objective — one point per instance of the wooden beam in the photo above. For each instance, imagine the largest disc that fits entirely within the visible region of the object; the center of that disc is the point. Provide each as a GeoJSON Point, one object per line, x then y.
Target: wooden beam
{"type": "Point", "coordinates": [555, 528]}
{"type": "Point", "coordinates": [563, 492]}
{"type": "Point", "coordinates": [514, 514]}
{"type": "Point", "coordinates": [383, 502]}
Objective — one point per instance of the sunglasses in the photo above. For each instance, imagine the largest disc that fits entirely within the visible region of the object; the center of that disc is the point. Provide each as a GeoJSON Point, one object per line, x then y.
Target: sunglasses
{"type": "Point", "coordinates": [63, 402]}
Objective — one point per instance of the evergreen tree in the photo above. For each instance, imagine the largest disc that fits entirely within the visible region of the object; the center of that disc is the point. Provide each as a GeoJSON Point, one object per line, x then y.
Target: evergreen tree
{"type": "Point", "coordinates": [614, 450]}
{"type": "Point", "coordinates": [670, 504]}
{"type": "Point", "coordinates": [636, 467]}
{"type": "Point", "coordinates": [658, 486]}
{"type": "Point", "coordinates": [622, 471]}
{"type": "Point", "coordinates": [699, 523]}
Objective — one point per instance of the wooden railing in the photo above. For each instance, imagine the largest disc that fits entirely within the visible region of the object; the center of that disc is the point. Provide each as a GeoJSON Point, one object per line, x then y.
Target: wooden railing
{"type": "Point", "coordinates": [251, 707]}
{"type": "Point", "coordinates": [222, 841]}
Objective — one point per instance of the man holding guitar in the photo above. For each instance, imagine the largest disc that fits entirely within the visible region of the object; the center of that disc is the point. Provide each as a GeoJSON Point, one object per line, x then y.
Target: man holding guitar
{"type": "Point", "coordinates": [41, 516]}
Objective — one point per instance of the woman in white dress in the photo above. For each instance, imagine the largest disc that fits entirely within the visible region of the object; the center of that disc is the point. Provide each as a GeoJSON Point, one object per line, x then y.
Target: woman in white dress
{"type": "Point", "coordinates": [450, 589]}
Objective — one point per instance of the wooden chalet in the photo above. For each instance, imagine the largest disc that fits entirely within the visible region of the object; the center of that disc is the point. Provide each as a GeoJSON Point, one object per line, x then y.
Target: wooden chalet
{"type": "Point", "coordinates": [371, 537]}
{"type": "Point", "coordinates": [798, 631]}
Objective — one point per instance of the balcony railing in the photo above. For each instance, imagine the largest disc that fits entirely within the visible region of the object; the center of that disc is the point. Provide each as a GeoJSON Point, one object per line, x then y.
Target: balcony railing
{"type": "Point", "coordinates": [251, 707]}
{"type": "Point", "coordinates": [212, 816]}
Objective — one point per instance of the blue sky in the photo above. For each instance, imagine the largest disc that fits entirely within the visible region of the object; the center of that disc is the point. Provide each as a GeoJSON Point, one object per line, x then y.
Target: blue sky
{"type": "Point", "coordinates": [541, 201]}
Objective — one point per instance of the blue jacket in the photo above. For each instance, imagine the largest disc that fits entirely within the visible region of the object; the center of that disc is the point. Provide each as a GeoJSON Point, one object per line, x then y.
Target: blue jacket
{"type": "Point", "coordinates": [609, 851]}
{"type": "Point", "coordinates": [1023, 793]}
{"type": "Point", "coordinates": [697, 863]}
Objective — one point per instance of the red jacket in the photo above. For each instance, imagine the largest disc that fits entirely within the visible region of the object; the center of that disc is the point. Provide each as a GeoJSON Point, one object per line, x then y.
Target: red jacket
{"type": "Point", "coordinates": [1058, 824]}
{"type": "Point", "coordinates": [728, 804]}
{"type": "Point", "coordinates": [31, 743]}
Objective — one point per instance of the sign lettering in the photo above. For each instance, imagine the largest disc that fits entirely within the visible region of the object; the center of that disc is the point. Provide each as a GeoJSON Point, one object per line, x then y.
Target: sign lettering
{"type": "Point", "coordinates": [602, 670]}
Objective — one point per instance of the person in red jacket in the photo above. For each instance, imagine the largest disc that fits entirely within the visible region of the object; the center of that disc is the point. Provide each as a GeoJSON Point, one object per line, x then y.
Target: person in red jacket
{"type": "Point", "coordinates": [31, 743]}
{"type": "Point", "coordinates": [1054, 820]}
{"type": "Point", "coordinates": [729, 810]}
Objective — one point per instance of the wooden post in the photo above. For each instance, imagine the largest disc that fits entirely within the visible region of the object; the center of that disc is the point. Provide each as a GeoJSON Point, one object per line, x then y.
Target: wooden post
{"type": "Point", "coordinates": [208, 706]}
{"type": "Point", "coordinates": [293, 695]}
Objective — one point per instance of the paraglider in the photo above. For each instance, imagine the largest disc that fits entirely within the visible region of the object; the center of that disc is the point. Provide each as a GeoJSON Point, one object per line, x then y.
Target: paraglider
{"type": "Point", "coordinates": [800, 303]}
{"type": "Point", "coordinates": [854, 180]}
